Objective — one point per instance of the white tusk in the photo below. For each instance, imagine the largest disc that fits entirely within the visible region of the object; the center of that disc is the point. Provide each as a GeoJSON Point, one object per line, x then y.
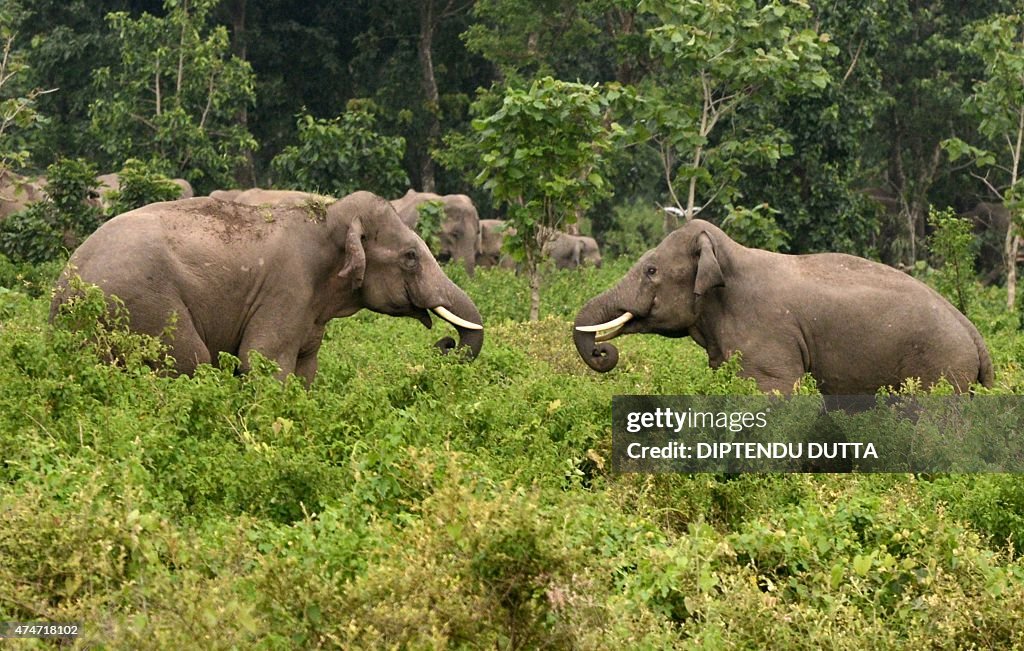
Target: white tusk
{"type": "Point", "coordinates": [611, 325]}
{"type": "Point", "coordinates": [447, 315]}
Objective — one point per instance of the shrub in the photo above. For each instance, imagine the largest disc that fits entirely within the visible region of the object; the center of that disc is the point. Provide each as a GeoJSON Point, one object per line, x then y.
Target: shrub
{"type": "Point", "coordinates": [341, 155]}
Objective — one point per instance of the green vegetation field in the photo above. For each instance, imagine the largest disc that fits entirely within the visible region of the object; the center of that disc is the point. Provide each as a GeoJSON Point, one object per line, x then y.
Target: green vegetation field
{"type": "Point", "coordinates": [412, 501]}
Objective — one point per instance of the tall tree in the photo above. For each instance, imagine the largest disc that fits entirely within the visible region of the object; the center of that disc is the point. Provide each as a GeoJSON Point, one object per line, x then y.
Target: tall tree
{"type": "Point", "coordinates": [926, 76]}
{"type": "Point", "coordinates": [726, 63]}
{"type": "Point", "coordinates": [542, 155]}
{"type": "Point", "coordinates": [175, 96]}
{"type": "Point", "coordinates": [18, 111]}
{"type": "Point", "coordinates": [997, 102]}
{"type": "Point", "coordinates": [431, 15]}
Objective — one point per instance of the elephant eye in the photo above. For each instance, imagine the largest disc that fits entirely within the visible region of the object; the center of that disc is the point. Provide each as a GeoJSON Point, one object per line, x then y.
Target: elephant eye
{"type": "Point", "coordinates": [650, 271]}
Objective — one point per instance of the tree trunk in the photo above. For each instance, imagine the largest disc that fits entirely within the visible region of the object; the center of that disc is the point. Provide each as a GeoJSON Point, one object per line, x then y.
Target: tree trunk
{"type": "Point", "coordinates": [428, 24]}
{"type": "Point", "coordinates": [245, 174]}
{"type": "Point", "coordinates": [1012, 250]}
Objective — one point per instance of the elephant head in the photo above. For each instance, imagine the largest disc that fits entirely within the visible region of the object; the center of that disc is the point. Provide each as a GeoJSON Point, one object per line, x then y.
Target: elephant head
{"type": "Point", "coordinates": [390, 270]}
{"type": "Point", "coordinates": [662, 293]}
{"type": "Point", "coordinates": [460, 236]}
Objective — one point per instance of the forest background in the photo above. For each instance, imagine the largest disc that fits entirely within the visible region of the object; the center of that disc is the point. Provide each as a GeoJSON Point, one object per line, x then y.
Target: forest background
{"type": "Point", "coordinates": [783, 118]}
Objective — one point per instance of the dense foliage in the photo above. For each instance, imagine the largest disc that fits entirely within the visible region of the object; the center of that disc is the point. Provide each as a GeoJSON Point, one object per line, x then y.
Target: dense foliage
{"type": "Point", "coordinates": [339, 156]}
{"type": "Point", "coordinates": [408, 499]}
{"type": "Point", "coordinates": [812, 103]}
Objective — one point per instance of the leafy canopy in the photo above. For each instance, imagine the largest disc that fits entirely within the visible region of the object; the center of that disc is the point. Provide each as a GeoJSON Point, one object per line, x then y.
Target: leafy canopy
{"type": "Point", "coordinates": [342, 155]}
{"type": "Point", "coordinates": [724, 65]}
{"type": "Point", "coordinates": [175, 96]}
{"type": "Point", "coordinates": [542, 153]}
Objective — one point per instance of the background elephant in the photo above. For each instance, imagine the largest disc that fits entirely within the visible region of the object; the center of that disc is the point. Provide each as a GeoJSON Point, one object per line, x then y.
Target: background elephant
{"type": "Point", "coordinates": [492, 236]}
{"type": "Point", "coordinates": [225, 195]}
{"type": "Point", "coordinates": [239, 282]}
{"type": "Point", "coordinates": [572, 251]}
{"type": "Point", "coordinates": [17, 191]}
{"type": "Point", "coordinates": [282, 198]}
{"type": "Point", "coordinates": [108, 183]}
{"type": "Point", "coordinates": [460, 231]}
{"type": "Point", "coordinates": [990, 222]}
{"type": "Point", "coordinates": [853, 324]}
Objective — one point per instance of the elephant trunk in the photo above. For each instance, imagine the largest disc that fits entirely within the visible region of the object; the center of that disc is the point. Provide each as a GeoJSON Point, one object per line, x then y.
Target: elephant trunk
{"type": "Point", "coordinates": [602, 357]}
{"type": "Point", "coordinates": [470, 339]}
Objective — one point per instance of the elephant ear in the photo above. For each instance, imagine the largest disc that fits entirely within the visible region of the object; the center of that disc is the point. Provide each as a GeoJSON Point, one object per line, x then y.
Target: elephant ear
{"type": "Point", "coordinates": [355, 256]}
{"type": "Point", "coordinates": [709, 272]}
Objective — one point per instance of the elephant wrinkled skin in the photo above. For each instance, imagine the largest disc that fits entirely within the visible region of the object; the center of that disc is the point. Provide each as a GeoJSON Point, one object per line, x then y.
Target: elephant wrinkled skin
{"type": "Point", "coordinates": [239, 282]}
{"type": "Point", "coordinates": [853, 324]}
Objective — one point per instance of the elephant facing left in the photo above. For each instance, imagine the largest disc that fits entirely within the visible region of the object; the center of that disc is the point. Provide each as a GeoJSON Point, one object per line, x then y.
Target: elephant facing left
{"type": "Point", "coordinates": [242, 278]}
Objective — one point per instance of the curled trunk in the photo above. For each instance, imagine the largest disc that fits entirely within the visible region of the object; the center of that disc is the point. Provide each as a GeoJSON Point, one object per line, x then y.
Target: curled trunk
{"type": "Point", "coordinates": [470, 340]}
{"type": "Point", "coordinates": [602, 357]}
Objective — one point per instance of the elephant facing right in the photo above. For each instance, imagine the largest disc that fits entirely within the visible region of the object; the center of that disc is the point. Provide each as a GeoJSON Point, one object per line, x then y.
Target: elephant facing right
{"type": "Point", "coordinates": [853, 324]}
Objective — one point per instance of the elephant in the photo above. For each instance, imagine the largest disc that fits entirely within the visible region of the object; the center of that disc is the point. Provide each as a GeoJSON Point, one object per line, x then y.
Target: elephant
{"type": "Point", "coordinates": [990, 223]}
{"type": "Point", "coordinates": [460, 231]}
{"type": "Point", "coordinates": [186, 188]}
{"type": "Point", "coordinates": [572, 251]}
{"type": "Point", "coordinates": [289, 198]}
{"type": "Point", "coordinates": [108, 183]}
{"type": "Point", "coordinates": [17, 192]}
{"type": "Point", "coordinates": [238, 282]}
{"type": "Point", "coordinates": [492, 236]}
{"type": "Point", "coordinates": [225, 195]}
{"type": "Point", "coordinates": [853, 324]}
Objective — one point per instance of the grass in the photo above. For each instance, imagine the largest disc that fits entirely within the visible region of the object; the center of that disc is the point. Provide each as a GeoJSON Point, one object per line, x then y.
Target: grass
{"type": "Point", "coordinates": [411, 501]}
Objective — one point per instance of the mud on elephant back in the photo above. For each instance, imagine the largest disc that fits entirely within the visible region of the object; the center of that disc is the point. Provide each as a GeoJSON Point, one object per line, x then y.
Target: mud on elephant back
{"type": "Point", "coordinates": [853, 324]}
{"type": "Point", "coordinates": [238, 281]}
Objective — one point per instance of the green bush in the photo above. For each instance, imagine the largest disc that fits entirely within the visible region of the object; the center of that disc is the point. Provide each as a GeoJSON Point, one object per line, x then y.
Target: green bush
{"type": "Point", "coordinates": [341, 155]}
{"type": "Point", "coordinates": [637, 228]}
{"type": "Point", "coordinates": [140, 184]}
{"type": "Point", "coordinates": [953, 249]}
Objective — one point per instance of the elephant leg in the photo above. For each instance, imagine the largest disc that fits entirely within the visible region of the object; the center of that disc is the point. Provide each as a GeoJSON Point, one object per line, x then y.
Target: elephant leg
{"type": "Point", "coordinates": [306, 366]}
{"type": "Point", "coordinates": [273, 346]}
{"type": "Point", "coordinates": [187, 346]}
{"type": "Point", "coordinates": [774, 375]}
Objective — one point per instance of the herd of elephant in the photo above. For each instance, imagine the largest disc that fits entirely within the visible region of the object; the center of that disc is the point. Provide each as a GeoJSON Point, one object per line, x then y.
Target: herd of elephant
{"type": "Point", "coordinates": [463, 235]}
{"type": "Point", "coordinates": [267, 270]}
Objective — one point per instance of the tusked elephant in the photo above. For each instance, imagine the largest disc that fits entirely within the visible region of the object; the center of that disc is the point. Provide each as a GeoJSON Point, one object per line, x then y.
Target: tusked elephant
{"type": "Point", "coordinates": [460, 231]}
{"type": "Point", "coordinates": [853, 324]}
{"type": "Point", "coordinates": [572, 251]}
{"type": "Point", "coordinates": [239, 282]}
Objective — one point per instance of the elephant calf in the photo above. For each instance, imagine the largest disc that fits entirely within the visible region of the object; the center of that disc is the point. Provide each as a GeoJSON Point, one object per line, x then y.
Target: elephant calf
{"type": "Point", "coordinates": [853, 324]}
{"type": "Point", "coordinates": [243, 278]}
